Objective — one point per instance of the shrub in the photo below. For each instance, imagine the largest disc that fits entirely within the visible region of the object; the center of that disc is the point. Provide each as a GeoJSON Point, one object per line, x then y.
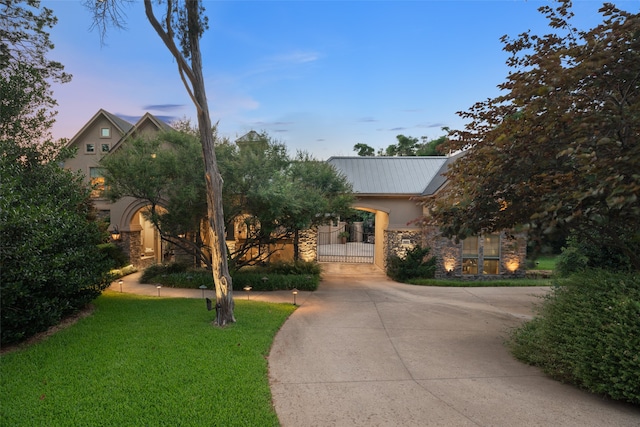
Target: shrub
{"type": "Point", "coordinates": [581, 254]}
{"type": "Point", "coordinates": [115, 254]}
{"type": "Point", "coordinates": [586, 333]}
{"type": "Point", "coordinates": [414, 265]}
{"type": "Point", "coordinates": [296, 267]}
{"type": "Point", "coordinates": [51, 264]}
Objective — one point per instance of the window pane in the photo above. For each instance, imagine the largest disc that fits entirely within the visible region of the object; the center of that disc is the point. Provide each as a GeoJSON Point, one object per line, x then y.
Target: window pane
{"type": "Point", "coordinates": [492, 246]}
{"type": "Point", "coordinates": [470, 246]}
{"type": "Point", "coordinates": [490, 266]}
{"type": "Point", "coordinates": [105, 148]}
{"type": "Point", "coordinates": [91, 148]}
{"type": "Point", "coordinates": [105, 132]}
{"type": "Point", "coordinates": [469, 266]}
{"type": "Point", "coordinates": [97, 182]}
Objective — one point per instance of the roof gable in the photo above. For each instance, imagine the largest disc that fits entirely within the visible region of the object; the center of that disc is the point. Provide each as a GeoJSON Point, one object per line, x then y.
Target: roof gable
{"type": "Point", "coordinates": [121, 126]}
{"type": "Point", "coordinates": [390, 175]}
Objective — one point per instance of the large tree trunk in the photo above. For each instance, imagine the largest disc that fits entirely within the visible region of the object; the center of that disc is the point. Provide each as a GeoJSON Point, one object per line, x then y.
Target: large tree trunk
{"type": "Point", "coordinates": [220, 268]}
{"type": "Point", "coordinates": [193, 75]}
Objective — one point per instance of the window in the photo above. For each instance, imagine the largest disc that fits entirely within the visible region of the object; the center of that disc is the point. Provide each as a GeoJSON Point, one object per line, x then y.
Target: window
{"type": "Point", "coordinates": [90, 148]}
{"type": "Point", "coordinates": [491, 254]}
{"type": "Point", "coordinates": [105, 148]}
{"type": "Point", "coordinates": [105, 133]}
{"type": "Point", "coordinates": [470, 255]}
{"type": "Point", "coordinates": [490, 258]}
{"type": "Point", "coordinates": [97, 182]}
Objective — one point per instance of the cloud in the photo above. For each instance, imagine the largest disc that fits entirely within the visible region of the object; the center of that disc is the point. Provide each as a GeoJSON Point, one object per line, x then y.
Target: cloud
{"type": "Point", "coordinates": [296, 57]}
{"type": "Point", "coordinates": [368, 120]}
{"type": "Point", "coordinates": [163, 107]}
{"type": "Point", "coordinates": [431, 125]}
{"type": "Point", "coordinates": [397, 129]}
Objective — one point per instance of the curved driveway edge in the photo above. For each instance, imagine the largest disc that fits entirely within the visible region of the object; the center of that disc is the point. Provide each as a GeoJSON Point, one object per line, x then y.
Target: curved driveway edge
{"type": "Point", "coordinates": [365, 351]}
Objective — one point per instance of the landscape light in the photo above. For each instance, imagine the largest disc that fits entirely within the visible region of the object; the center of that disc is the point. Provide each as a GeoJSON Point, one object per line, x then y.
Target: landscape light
{"type": "Point", "coordinates": [294, 292]}
{"type": "Point", "coordinates": [247, 288]}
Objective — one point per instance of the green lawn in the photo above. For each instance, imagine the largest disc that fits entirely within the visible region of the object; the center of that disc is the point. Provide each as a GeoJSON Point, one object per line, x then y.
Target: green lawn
{"type": "Point", "coordinates": [146, 361]}
{"type": "Point", "coordinates": [546, 262]}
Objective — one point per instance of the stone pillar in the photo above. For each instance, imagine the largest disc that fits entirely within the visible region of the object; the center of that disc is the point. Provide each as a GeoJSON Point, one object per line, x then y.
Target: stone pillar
{"type": "Point", "coordinates": [308, 244]}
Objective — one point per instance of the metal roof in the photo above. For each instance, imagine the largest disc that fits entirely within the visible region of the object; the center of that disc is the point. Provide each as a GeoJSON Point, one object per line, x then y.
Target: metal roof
{"type": "Point", "coordinates": [390, 175]}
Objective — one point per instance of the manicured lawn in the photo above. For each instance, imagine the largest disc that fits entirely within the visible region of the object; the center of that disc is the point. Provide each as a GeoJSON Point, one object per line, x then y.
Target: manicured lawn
{"type": "Point", "coordinates": [146, 361]}
{"type": "Point", "coordinates": [546, 262]}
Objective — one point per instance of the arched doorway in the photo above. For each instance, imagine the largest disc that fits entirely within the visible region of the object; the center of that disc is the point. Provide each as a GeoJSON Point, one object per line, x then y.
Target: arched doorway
{"type": "Point", "coordinates": [139, 238]}
{"type": "Point", "coordinates": [357, 239]}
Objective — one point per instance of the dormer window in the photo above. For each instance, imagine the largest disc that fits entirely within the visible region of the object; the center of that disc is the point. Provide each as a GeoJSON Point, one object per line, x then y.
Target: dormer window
{"type": "Point", "coordinates": [105, 133]}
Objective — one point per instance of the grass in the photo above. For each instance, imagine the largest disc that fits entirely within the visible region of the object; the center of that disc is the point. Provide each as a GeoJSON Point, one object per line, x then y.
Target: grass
{"type": "Point", "coordinates": [480, 283]}
{"type": "Point", "coordinates": [146, 361]}
{"type": "Point", "coordinates": [545, 262]}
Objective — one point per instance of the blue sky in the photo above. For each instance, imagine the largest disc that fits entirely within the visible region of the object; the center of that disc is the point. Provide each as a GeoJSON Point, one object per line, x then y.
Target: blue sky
{"type": "Point", "coordinates": [319, 76]}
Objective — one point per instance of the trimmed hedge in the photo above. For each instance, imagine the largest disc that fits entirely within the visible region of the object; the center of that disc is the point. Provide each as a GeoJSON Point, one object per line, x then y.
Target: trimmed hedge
{"type": "Point", "coordinates": [303, 276]}
{"type": "Point", "coordinates": [414, 265]}
{"type": "Point", "coordinates": [587, 333]}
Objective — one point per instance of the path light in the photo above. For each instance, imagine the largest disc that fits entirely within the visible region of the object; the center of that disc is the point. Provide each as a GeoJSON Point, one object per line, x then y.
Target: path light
{"type": "Point", "coordinates": [295, 293]}
{"type": "Point", "coordinates": [203, 287]}
{"type": "Point", "coordinates": [247, 288]}
{"type": "Point", "coordinates": [120, 283]}
{"type": "Point", "coordinates": [158, 287]}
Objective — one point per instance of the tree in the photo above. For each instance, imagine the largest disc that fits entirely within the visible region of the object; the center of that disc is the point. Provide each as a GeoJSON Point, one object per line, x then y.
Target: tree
{"type": "Point", "coordinates": [275, 195]}
{"type": "Point", "coordinates": [152, 169]}
{"type": "Point", "coordinates": [49, 257]}
{"type": "Point", "coordinates": [26, 102]}
{"type": "Point", "coordinates": [182, 26]}
{"type": "Point", "coordinates": [406, 146]}
{"type": "Point", "coordinates": [560, 148]}
{"type": "Point", "coordinates": [364, 150]}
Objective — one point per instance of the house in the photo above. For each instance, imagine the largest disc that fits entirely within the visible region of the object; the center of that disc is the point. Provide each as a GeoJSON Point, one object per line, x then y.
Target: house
{"type": "Point", "coordinates": [102, 134]}
{"type": "Point", "coordinates": [386, 190]}
{"type": "Point", "coordinates": [389, 188]}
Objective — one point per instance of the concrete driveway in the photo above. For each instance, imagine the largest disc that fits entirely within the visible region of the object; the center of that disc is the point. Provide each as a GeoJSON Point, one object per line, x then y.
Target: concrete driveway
{"type": "Point", "coordinates": [366, 351]}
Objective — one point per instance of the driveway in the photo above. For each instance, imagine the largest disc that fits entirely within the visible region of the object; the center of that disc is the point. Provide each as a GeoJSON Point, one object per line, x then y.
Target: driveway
{"type": "Point", "coordinates": [366, 351]}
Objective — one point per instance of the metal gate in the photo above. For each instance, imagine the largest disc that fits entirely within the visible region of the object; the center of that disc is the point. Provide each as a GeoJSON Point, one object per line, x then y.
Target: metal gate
{"type": "Point", "coordinates": [345, 243]}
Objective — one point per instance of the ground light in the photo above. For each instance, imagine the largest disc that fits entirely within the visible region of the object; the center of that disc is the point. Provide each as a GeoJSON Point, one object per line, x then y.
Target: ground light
{"type": "Point", "coordinates": [120, 283]}
{"type": "Point", "coordinates": [158, 287]}
{"type": "Point", "coordinates": [203, 287]}
{"type": "Point", "coordinates": [295, 293]}
{"type": "Point", "coordinates": [248, 289]}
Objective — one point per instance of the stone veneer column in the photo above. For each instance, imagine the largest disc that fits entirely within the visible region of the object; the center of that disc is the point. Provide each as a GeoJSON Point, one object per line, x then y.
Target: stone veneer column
{"type": "Point", "coordinates": [398, 242]}
{"type": "Point", "coordinates": [308, 244]}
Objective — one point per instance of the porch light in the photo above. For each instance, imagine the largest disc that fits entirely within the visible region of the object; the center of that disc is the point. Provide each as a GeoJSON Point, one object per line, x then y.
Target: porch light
{"type": "Point", "coordinates": [203, 287]}
{"type": "Point", "coordinates": [295, 293]}
{"type": "Point", "coordinates": [115, 233]}
{"type": "Point", "coordinates": [247, 288]}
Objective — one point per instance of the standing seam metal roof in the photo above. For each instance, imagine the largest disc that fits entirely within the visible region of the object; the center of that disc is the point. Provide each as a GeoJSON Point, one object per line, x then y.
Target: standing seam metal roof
{"type": "Point", "coordinates": [389, 175]}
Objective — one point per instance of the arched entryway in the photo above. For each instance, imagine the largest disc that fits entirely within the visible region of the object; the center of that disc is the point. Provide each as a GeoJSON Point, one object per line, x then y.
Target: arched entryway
{"type": "Point", "coordinates": [355, 240]}
{"type": "Point", "coordinates": [139, 238]}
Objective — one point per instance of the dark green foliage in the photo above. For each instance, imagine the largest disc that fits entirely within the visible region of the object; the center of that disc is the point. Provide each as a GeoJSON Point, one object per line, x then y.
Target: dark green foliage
{"type": "Point", "coordinates": [581, 253]}
{"type": "Point", "coordinates": [50, 261]}
{"type": "Point", "coordinates": [587, 333]}
{"type": "Point", "coordinates": [304, 276]}
{"type": "Point", "coordinates": [115, 254]}
{"type": "Point", "coordinates": [414, 265]}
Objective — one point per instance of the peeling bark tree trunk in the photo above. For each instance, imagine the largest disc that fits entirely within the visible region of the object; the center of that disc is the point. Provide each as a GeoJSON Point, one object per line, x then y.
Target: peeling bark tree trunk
{"type": "Point", "coordinates": [194, 83]}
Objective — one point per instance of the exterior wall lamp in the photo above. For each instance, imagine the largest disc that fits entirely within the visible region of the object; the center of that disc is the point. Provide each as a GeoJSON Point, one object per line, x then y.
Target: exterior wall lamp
{"type": "Point", "coordinates": [115, 233]}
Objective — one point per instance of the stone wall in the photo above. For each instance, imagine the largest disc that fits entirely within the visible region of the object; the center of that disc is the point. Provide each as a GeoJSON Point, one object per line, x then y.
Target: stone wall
{"type": "Point", "coordinates": [308, 244]}
{"type": "Point", "coordinates": [513, 253]}
{"type": "Point", "coordinates": [397, 243]}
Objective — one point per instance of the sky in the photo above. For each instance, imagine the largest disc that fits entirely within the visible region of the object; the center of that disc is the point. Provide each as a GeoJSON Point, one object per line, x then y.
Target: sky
{"type": "Point", "coordinates": [319, 76]}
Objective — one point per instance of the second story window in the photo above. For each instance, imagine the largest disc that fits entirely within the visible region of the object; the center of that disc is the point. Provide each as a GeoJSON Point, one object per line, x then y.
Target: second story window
{"type": "Point", "coordinates": [97, 182]}
{"type": "Point", "coordinates": [105, 148]}
{"type": "Point", "coordinates": [90, 148]}
{"type": "Point", "coordinates": [105, 132]}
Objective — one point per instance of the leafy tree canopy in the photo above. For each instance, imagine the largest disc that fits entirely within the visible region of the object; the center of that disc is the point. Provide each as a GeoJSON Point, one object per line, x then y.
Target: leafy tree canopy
{"type": "Point", "coordinates": [559, 149]}
{"type": "Point", "coordinates": [406, 146]}
{"type": "Point", "coordinates": [26, 102]}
